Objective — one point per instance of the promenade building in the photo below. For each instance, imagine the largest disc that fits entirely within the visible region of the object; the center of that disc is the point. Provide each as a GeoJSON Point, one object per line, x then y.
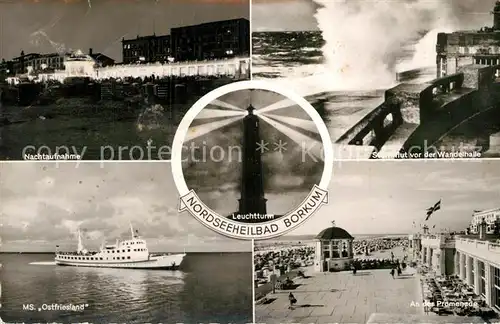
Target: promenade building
{"type": "Point", "coordinates": [212, 49]}
{"type": "Point", "coordinates": [461, 48]}
{"type": "Point", "coordinates": [474, 257]}
{"type": "Point", "coordinates": [334, 250]}
{"type": "Point", "coordinates": [45, 63]}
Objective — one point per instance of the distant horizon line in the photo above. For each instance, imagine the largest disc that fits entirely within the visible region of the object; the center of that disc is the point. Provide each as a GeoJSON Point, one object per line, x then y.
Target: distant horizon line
{"type": "Point", "coordinates": [404, 233]}
{"type": "Point", "coordinates": [286, 31]}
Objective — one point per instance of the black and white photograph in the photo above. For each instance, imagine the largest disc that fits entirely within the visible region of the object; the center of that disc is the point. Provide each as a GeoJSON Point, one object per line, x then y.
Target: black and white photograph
{"type": "Point", "coordinates": [111, 80]}
{"type": "Point", "coordinates": [105, 243]}
{"type": "Point", "coordinates": [400, 242]}
{"type": "Point", "coordinates": [398, 79]}
{"type": "Point", "coordinates": [252, 155]}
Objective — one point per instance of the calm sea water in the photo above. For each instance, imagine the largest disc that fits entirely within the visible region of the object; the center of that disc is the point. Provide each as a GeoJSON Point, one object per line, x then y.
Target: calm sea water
{"type": "Point", "coordinates": [211, 288]}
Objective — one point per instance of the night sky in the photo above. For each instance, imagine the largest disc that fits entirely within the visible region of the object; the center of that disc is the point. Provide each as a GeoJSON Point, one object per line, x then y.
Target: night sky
{"type": "Point", "coordinates": [46, 26]}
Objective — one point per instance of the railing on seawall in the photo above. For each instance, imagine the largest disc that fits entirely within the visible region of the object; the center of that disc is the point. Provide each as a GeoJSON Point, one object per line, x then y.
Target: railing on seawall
{"type": "Point", "coordinates": [439, 86]}
{"type": "Point", "coordinates": [376, 127]}
{"type": "Point", "coordinates": [356, 134]}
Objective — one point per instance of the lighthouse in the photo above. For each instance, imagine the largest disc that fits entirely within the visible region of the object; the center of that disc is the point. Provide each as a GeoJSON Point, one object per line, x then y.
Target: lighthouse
{"type": "Point", "coordinates": [496, 16]}
{"type": "Point", "coordinates": [252, 200]}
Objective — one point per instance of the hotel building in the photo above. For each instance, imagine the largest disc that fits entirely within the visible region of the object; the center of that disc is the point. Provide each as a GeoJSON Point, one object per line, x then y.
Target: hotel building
{"type": "Point", "coordinates": [213, 40]}
{"type": "Point", "coordinates": [207, 41]}
{"type": "Point", "coordinates": [146, 49]}
{"type": "Point", "coordinates": [474, 258]}
{"type": "Point", "coordinates": [491, 217]}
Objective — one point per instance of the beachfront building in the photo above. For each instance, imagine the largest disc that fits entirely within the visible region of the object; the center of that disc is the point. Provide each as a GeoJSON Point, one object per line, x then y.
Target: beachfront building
{"type": "Point", "coordinates": [82, 66]}
{"type": "Point", "coordinates": [438, 252]}
{"type": "Point", "coordinates": [334, 250]}
{"type": "Point", "coordinates": [146, 49]}
{"type": "Point", "coordinates": [211, 41]}
{"type": "Point", "coordinates": [414, 246]}
{"type": "Point", "coordinates": [457, 49]}
{"type": "Point", "coordinates": [478, 264]}
{"type": "Point", "coordinates": [474, 258]}
{"type": "Point", "coordinates": [490, 216]}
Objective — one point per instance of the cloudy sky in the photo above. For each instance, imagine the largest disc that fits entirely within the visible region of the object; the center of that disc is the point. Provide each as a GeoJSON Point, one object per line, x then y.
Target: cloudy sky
{"type": "Point", "coordinates": [281, 15]}
{"type": "Point", "coordinates": [285, 15]}
{"type": "Point", "coordinates": [378, 197]}
{"type": "Point", "coordinates": [44, 25]}
{"type": "Point", "coordinates": [43, 205]}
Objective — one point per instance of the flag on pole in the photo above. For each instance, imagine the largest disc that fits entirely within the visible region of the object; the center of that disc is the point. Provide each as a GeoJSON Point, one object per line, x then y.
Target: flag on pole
{"type": "Point", "coordinates": [433, 209]}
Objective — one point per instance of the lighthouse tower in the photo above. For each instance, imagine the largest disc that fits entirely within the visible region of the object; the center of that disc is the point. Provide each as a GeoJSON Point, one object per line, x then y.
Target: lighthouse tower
{"type": "Point", "coordinates": [252, 199]}
{"type": "Point", "coordinates": [496, 16]}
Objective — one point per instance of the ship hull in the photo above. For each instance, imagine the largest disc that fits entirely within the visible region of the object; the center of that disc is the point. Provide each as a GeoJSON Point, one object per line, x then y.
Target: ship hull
{"type": "Point", "coordinates": [172, 268]}
{"type": "Point", "coordinates": [169, 262]}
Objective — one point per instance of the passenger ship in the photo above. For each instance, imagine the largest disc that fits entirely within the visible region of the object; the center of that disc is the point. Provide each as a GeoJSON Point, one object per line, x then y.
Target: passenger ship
{"type": "Point", "coordinates": [130, 254]}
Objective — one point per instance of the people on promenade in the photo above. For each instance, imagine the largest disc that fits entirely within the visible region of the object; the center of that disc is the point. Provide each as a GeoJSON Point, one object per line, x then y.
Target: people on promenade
{"type": "Point", "coordinates": [292, 300]}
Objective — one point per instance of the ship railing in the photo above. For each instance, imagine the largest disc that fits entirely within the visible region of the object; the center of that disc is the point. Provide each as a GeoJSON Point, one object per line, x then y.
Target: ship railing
{"type": "Point", "coordinates": [77, 253]}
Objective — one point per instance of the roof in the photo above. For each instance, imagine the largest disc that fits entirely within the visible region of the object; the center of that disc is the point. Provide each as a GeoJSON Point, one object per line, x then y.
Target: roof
{"type": "Point", "coordinates": [147, 37]}
{"type": "Point", "coordinates": [334, 233]}
{"type": "Point", "coordinates": [481, 212]}
{"type": "Point", "coordinates": [211, 23]}
{"type": "Point", "coordinates": [100, 56]}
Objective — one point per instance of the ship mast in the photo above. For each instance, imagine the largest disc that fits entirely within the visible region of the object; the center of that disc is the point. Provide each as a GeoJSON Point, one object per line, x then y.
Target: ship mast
{"type": "Point", "coordinates": [132, 231]}
{"type": "Point", "coordinates": [80, 244]}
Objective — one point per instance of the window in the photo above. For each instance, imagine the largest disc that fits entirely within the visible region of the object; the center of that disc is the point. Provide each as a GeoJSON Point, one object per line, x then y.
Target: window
{"type": "Point", "coordinates": [482, 278]}
{"type": "Point", "coordinates": [496, 288]}
{"type": "Point", "coordinates": [472, 272]}
{"type": "Point", "coordinates": [128, 257]}
{"type": "Point", "coordinates": [326, 250]}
